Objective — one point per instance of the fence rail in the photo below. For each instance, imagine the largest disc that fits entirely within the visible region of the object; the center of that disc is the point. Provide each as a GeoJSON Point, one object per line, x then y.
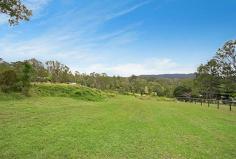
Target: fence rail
{"type": "Point", "coordinates": [230, 103]}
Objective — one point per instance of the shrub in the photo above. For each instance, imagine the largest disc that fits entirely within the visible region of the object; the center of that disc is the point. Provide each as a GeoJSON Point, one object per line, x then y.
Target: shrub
{"type": "Point", "coordinates": [8, 80]}
{"type": "Point", "coordinates": [181, 91]}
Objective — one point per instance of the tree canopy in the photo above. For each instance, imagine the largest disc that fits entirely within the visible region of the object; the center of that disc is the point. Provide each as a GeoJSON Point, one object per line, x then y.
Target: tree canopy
{"type": "Point", "coordinates": [218, 75]}
{"type": "Point", "coordinates": [15, 10]}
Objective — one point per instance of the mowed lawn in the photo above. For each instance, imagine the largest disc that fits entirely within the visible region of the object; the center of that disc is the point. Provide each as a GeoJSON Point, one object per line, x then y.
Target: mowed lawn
{"type": "Point", "coordinates": [120, 127]}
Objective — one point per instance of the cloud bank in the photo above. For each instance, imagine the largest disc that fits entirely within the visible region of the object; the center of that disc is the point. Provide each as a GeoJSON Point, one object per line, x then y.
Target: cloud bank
{"type": "Point", "coordinates": [148, 66]}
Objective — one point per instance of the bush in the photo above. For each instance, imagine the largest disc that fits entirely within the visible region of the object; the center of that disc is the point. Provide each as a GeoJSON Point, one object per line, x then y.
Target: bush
{"type": "Point", "coordinates": [181, 91]}
{"type": "Point", "coordinates": [8, 81]}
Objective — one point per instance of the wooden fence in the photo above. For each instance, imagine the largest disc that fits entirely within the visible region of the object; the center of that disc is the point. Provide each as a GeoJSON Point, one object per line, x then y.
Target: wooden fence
{"type": "Point", "coordinates": [208, 101]}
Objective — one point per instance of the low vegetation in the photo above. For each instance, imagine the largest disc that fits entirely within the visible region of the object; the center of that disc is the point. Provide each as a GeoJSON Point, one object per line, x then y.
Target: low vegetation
{"type": "Point", "coordinates": [65, 90]}
{"type": "Point", "coordinates": [60, 90]}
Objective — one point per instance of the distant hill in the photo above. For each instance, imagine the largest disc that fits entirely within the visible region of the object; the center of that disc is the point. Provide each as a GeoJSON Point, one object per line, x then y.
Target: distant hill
{"type": "Point", "coordinates": [171, 76]}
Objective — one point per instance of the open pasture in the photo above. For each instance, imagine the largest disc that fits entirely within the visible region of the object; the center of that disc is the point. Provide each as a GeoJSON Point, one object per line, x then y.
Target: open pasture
{"type": "Point", "coordinates": [119, 127]}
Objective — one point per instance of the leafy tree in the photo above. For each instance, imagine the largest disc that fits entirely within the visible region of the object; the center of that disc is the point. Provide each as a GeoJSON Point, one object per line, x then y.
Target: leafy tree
{"type": "Point", "coordinates": [182, 91]}
{"type": "Point", "coordinates": [226, 58]}
{"type": "Point", "coordinates": [8, 80]}
{"type": "Point", "coordinates": [219, 74]}
{"type": "Point", "coordinates": [26, 78]}
{"type": "Point", "coordinates": [40, 73]}
{"type": "Point", "coordinates": [4, 66]}
{"type": "Point", "coordinates": [15, 10]}
{"type": "Point", "coordinates": [208, 79]}
{"type": "Point", "coordinates": [58, 72]}
{"type": "Point", "coordinates": [157, 88]}
{"type": "Point", "coordinates": [132, 83]}
{"type": "Point", "coordinates": [146, 90]}
{"type": "Point", "coordinates": [24, 73]}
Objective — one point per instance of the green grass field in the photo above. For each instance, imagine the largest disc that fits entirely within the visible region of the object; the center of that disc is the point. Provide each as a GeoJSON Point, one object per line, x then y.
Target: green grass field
{"type": "Point", "coordinates": [118, 127]}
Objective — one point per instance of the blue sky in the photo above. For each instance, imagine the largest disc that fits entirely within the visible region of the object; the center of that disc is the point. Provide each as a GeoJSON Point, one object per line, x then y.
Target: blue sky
{"type": "Point", "coordinates": [121, 37]}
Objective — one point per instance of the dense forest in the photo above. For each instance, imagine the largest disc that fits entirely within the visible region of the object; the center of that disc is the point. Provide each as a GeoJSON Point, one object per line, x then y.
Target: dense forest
{"type": "Point", "coordinates": [215, 78]}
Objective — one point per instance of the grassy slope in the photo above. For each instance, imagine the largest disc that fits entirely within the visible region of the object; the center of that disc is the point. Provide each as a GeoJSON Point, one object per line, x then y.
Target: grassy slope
{"type": "Point", "coordinates": [60, 90]}
{"type": "Point", "coordinates": [65, 90]}
{"type": "Point", "coordinates": [121, 127]}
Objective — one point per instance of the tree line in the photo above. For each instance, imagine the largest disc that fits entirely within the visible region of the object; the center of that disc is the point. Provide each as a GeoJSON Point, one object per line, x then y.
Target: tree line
{"type": "Point", "coordinates": [216, 77]}
{"type": "Point", "coordinates": [17, 76]}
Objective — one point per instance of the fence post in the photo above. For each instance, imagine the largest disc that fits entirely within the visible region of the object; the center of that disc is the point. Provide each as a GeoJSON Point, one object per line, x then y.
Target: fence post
{"type": "Point", "coordinates": [201, 101]}
{"type": "Point", "coordinates": [208, 102]}
{"type": "Point", "coordinates": [230, 106]}
{"type": "Point", "coordinates": [218, 104]}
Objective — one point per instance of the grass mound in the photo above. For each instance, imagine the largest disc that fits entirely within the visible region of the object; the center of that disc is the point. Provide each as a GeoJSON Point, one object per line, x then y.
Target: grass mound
{"type": "Point", "coordinates": [66, 90]}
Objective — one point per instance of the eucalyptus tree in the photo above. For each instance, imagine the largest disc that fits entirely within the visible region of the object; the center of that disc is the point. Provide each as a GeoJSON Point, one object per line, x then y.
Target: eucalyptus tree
{"type": "Point", "coordinates": [15, 10]}
{"type": "Point", "coordinates": [226, 58]}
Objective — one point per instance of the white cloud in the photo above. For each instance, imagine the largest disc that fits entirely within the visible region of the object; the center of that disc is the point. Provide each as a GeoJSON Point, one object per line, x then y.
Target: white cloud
{"type": "Point", "coordinates": [36, 5]}
{"type": "Point", "coordinates": [148, 66]}
{"type": "Point", "coordinates": [126, 11]}
{"type": "Point", "coordinates": [66, 46]}
{"type": "Point", "coordinates": [44, 48]}
{"type": "Point", "coordinates": [75, 41]}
